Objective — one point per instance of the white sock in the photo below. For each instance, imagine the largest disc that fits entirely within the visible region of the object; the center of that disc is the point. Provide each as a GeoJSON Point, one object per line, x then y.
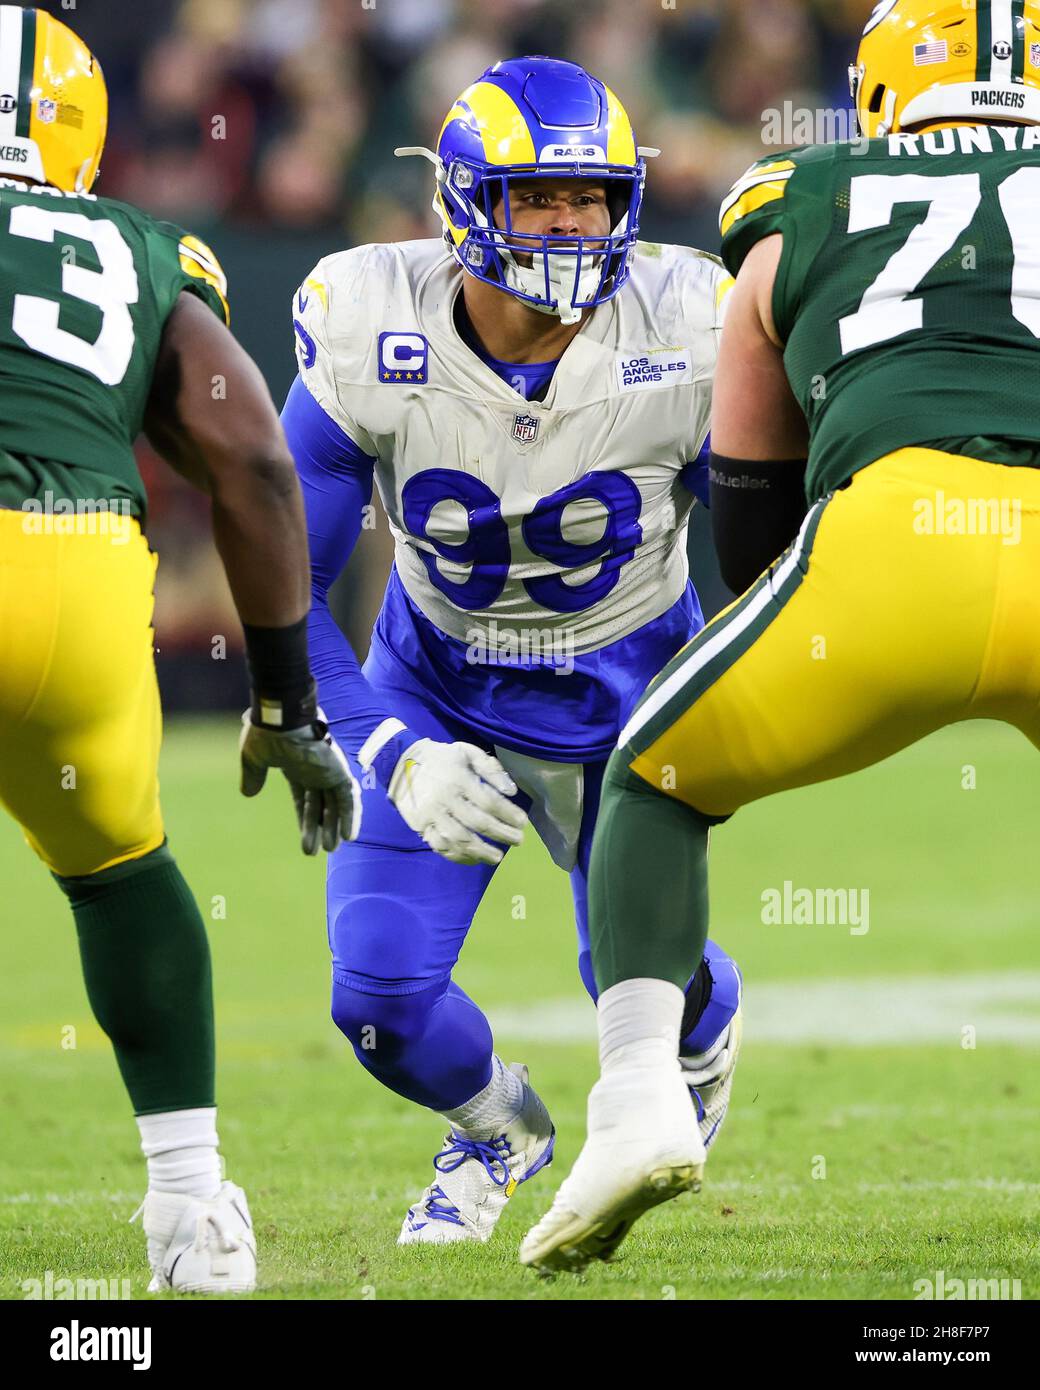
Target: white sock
{"type": "Point", "coordinates": [181, 1149]}
{"type": "Point", "coordinates": [490, 1110]}
{"type": "Point", "coordinates": [639, 1023]}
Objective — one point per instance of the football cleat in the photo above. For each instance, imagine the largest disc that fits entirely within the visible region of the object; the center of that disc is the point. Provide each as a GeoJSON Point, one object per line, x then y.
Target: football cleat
{"type": "Point", "coordinates": [708, 1051]}
{"type": "Point", "coordinates": [200, 1247]}
{"type": "Point", "coordinates": [477, 1177]}
{"type": "Point", "coordinates": [709, 1078]}
{"type": "Point", "coordinates": [643, 1148]}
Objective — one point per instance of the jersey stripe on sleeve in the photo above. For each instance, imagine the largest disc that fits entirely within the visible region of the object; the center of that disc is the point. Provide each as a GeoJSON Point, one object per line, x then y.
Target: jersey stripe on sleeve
{"type": "Point", "coordinates": [762, 184]}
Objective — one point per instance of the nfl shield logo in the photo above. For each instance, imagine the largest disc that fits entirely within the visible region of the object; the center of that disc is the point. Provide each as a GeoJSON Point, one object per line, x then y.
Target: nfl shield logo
{"type": "Point", "coordinates": [46, 110]}
{"type": "Point", "coordinates": [525, 428]}
{"type": "Point", "coordinates": [1034, 54]}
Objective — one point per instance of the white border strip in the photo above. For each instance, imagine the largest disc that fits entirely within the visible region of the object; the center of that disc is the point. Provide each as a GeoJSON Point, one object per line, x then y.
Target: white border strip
{"type": "Point", "coordinates": [852, 1011]}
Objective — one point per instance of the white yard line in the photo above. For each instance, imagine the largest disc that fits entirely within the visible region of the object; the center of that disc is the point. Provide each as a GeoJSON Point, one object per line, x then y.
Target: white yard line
{"type": "Point", "coordinates": [1000, 1007]}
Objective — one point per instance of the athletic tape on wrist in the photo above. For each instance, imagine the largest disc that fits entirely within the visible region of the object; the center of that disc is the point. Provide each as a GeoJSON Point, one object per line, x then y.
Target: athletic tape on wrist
{"type": "Point", "coordinates": [382, 750]}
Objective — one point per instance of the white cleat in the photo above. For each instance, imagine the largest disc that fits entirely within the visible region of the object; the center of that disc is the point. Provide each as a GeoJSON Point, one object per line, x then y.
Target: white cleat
{"type": "Point", "coordinates": [476, 1178]}
{"type": "Point", "coordinates": [643, 1148]}
{"type": "Point", "coordinates": [709, 1078]}
{"type": "Point", "coordinates": [200, 1247]}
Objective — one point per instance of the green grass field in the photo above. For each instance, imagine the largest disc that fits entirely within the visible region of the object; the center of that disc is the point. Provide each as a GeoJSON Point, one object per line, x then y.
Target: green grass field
{"type": "Point", "coordinates": [867, 1146]}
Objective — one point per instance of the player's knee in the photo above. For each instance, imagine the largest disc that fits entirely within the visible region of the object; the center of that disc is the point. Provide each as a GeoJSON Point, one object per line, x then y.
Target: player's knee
{"type": "Point", "coordinates": [84, 851]}
{"type": "Point", "coordinates": [622, 783]}
{"type": "Point", "coordinates": [379, 935]}
{"type": "Point", "coordinates": [383, 1026]}
{"type": "Point", "coordinates": [87, 887]}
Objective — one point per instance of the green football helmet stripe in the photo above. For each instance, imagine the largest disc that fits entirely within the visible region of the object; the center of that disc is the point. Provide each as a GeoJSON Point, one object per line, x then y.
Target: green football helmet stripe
{"type": "Point", "coordinates": [25, 72]}
{"type": "Point", "coordinates": [984, 58]}
{"type": "Point", "coordinates": [1018, 29]}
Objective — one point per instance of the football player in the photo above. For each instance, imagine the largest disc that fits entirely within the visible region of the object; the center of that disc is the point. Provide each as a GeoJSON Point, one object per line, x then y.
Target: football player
{"type": "Point", "coordinates": [530, 395]}
{"type": "Point", "coordinates": [110, 321]}
{"type": "Point", "coordinates": [878, 363]}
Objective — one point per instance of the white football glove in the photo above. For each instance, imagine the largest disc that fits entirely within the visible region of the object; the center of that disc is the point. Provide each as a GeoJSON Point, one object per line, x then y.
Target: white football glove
{"type": "Point", "coordinates": [325, 791]}
{"type": "Point", "coordinates": [453, 794]}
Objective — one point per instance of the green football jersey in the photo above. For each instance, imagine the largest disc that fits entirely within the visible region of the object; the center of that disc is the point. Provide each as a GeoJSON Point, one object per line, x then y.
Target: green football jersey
{"type": "Point", "coordinates": [86, 285]}
{"type": "Point", "coordinates": [907, 294]}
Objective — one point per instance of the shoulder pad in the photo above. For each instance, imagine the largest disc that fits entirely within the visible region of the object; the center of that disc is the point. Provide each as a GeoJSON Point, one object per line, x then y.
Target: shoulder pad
{"type": "Point", "coordinates": [755, 206]}
{"type": "Point", "coordinates": [692, 283]}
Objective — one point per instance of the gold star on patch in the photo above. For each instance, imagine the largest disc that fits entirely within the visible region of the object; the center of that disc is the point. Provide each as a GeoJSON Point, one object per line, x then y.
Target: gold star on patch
{"type": "Point", "coordinates": [397, 376]}
{"type": "Point", "coordinates": [386, 376]}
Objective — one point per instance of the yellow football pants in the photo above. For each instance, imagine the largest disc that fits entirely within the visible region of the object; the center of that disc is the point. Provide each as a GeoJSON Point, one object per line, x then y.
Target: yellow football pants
{"type": "Point", "coordinates": [80, 723]}
{"type": "Point", "coordinates": [910, 600]}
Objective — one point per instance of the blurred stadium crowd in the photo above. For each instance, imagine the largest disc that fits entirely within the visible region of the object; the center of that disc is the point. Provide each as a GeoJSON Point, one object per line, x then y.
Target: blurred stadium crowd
{"type": "Point", "coordinates": [314, 94]}
{"type": "Point", "coordinates": [268, 127]}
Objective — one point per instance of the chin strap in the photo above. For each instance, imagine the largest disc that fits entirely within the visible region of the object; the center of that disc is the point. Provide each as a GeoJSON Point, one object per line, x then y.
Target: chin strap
{"type": "Point", "coordinates": [561, 283]}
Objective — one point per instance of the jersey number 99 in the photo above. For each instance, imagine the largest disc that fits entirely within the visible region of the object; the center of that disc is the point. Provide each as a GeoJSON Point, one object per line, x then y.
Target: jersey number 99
{"type": "Point", "coordinates": [486, 548]}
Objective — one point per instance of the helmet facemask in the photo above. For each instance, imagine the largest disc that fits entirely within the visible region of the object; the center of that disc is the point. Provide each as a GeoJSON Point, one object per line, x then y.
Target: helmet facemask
{"type": "Point", "coordinates": [538, 118]}
{"type": "Point", "coordinates": [561, 275]}
{"type": "Point", "coordinates": [554, 274]}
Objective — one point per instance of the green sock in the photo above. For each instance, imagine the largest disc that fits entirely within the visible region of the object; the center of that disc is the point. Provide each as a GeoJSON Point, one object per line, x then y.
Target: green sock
{"type": "Point", "coordinates": [146, 965]}
{"type": "Point", "coordinates": [648, 883]}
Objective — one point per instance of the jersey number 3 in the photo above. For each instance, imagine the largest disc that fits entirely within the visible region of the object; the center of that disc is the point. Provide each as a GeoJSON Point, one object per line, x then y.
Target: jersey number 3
{"type": "Point", "coordinates": [886, 310]}
{"type": "Point", "coordinates": [112, 289]}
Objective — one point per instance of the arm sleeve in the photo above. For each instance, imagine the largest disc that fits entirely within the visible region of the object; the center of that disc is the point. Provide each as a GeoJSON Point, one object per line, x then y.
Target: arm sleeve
{"type": "Point", "coordinates": [694, 475]}
{"type": "Point", "coordinates": [336, 480]}
{"type": "Point", "coordinates": [757, 508]}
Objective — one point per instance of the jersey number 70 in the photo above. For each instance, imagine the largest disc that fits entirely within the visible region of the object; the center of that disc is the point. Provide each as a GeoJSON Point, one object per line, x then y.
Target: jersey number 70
{"type": "Point", "coordinates": [886, 311]}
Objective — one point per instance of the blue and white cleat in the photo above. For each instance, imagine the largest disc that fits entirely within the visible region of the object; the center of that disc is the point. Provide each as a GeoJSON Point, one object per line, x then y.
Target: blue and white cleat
{"type": "Point", "coordinates": [477, 1177]}
{"type": "Point", "coordinates": [708, 1055]}
{"type": "Point", "coordinates": [710, 1080]}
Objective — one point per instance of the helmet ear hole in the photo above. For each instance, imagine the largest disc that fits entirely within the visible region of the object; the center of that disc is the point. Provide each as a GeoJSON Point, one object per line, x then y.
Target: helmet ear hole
{"type": "Point", "coordinates": [877, 98]}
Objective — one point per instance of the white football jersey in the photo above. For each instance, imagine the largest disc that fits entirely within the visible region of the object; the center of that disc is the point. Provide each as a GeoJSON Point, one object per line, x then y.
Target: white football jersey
{"type": "Point", "coordinates": [509, 515]}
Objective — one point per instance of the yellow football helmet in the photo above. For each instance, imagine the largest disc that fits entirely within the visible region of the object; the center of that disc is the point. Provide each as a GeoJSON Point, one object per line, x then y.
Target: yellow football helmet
{"type": "Point", "coordinates": [929, 62]}
{"type": "Point", "coordinates": [53, 102]}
